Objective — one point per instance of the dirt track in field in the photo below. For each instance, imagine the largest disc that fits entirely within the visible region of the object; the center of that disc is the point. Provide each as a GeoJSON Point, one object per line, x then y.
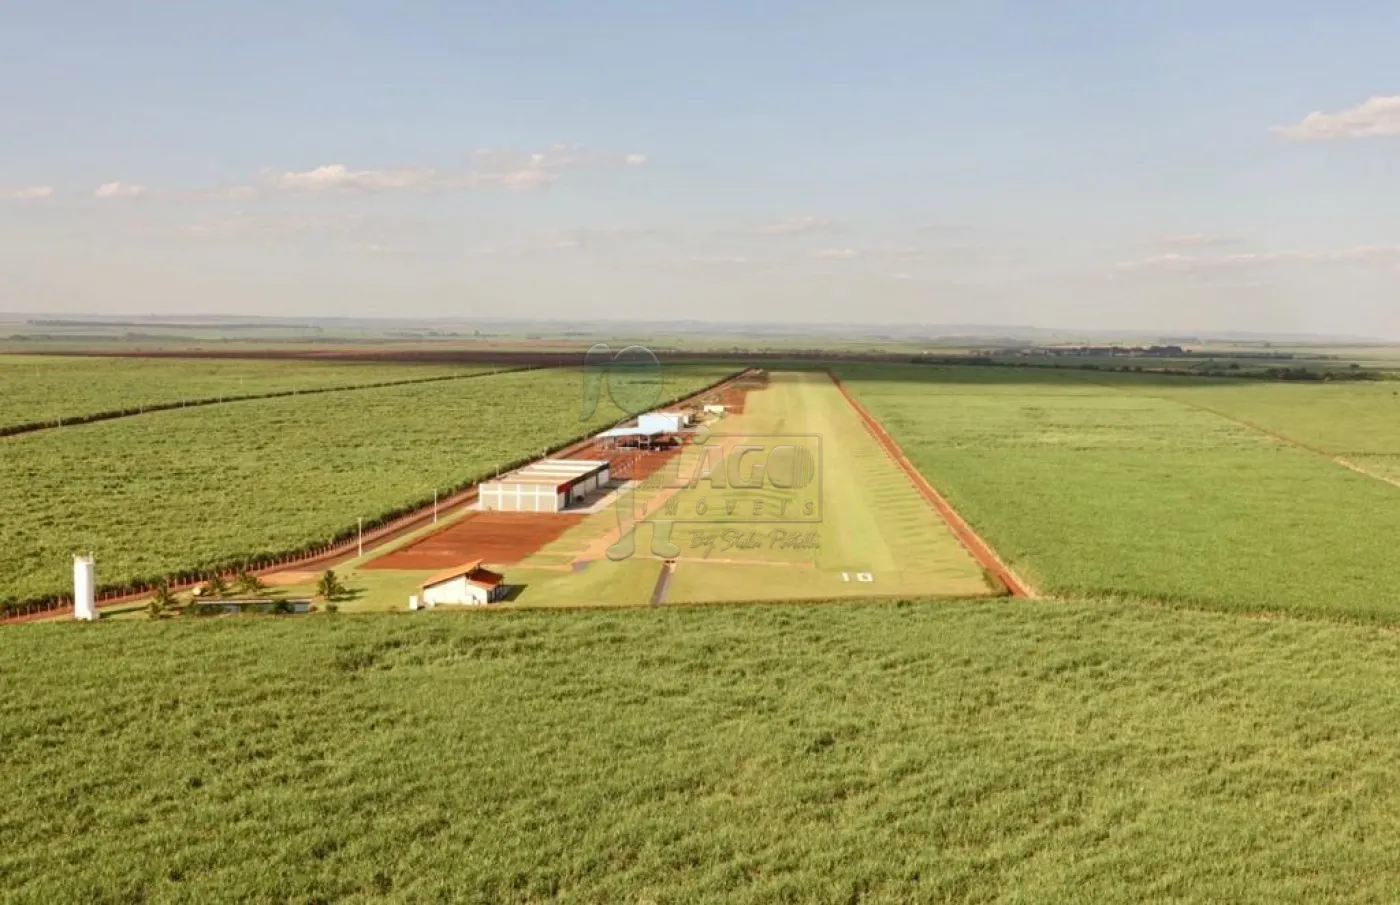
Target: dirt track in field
{"type": "Point", "coordinates": [970, 539]}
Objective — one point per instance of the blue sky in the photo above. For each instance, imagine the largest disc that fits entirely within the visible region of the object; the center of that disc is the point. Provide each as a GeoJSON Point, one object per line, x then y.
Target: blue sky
{"type": "Point", "coordinates": [1139, 166]}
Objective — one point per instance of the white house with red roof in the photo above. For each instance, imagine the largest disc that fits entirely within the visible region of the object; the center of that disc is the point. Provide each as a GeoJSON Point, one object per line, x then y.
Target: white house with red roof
{"type": "Point", "coordinates": [467, 584]}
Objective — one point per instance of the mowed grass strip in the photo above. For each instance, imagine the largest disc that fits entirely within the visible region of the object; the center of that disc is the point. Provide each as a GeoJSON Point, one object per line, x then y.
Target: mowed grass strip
{"type": "Point", "coordinates": [881, 753]}
{"type": "Point", "coordinates": [48, 388]}
{"type": "Point", "coordinates": [1091, 489]}
{"type": "Point", "coordinates": [196, 488]}
{"type": "Point", "coordinates": [873, 523]}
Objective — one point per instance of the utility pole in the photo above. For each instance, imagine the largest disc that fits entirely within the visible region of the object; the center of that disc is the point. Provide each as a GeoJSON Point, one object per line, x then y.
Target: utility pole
{"type": "Point", "coordinates": [434, 507]}
{"type": "Point", "coordinates": [361, 537]}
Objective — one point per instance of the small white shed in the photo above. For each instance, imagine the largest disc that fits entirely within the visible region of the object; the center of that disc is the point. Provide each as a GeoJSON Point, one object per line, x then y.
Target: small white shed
{"type": "Point", "coordinates": [468, 584]}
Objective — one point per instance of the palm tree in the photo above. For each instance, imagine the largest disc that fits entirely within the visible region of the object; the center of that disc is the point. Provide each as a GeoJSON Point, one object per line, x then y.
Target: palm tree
{"type": "Point", "coordinates": [162, 601]}
{"type": "Point", "coordinates": [328, 586]}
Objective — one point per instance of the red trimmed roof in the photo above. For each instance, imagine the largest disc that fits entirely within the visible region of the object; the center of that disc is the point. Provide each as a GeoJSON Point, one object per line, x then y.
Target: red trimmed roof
{"type": "Point", "coordinates": [486, 578]}
{"type": "Point", "coordinates": [446, 575]}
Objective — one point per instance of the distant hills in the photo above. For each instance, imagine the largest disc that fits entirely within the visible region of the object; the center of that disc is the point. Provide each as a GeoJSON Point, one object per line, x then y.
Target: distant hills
{"type": "Point", "coordinates": [942, 334]}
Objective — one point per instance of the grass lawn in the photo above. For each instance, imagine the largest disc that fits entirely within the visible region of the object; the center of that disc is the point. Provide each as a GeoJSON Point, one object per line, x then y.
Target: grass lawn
{"type": "Point", "coordinates": [873, 522]}
{"type": "Point", "coordinates": [602, 582]}
{"type": "Point", "coordinates": [980, 751]}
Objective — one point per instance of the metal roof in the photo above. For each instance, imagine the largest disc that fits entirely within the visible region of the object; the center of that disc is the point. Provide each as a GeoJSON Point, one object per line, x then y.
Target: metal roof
{"type": "Point", "coordinates": [633, 432]}
{"type": "Point", "coordinates": [465, 568]}
{"type": "Point", "coordinates": [556, 472]}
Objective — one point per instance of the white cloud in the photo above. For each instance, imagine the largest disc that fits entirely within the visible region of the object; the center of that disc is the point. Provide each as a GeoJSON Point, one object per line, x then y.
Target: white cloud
{"type": "Point", "coordinates": [1377, 116]}
{"type": "Point", "coordinates": [794, 226]}
{"type": "Point", "coordinates": [119, 190]}
{"type": "Point", "coordinates": [489, 167]}
{"type": "Point", "coordinates": [1360, 254]}
{"type": "Point", "coordinates": [337, 176]}
{"type": "Point", "coordinates": [843, 254]}
{"type": "Point", "coordinates": [526, 178]}
{"type": "Point", "coordinates": [520, 171]}
{"type": "Point", "coordinates": [33, 193]}
{"type": "Point", "coordinates": [1196, 240]}
{"type": "Point", "coordinates": [235, 193]}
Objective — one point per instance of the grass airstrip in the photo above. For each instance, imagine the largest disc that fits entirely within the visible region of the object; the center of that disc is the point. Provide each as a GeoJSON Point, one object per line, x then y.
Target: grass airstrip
{"type": "Point", "coordinates": [867, 532]}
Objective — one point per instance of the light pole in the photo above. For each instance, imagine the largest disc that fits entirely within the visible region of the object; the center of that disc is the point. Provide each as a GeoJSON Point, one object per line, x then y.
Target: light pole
{"type": "Point", "coordinates": [361, 535]}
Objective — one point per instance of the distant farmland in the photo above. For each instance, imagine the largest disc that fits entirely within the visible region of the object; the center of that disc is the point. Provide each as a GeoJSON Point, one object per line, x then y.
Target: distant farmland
{"type": "Point", "coordinates": [1124, 485]}
{"type": "Point", "coordinates": [195, 488]}
{"type": "Point", "coordinates": [41, 388]}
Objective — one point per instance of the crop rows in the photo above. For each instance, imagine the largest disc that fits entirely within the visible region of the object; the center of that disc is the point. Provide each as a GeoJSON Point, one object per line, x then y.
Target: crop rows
{"type": "Point", "coordinates": [1127, 487]}
{"type": "Point", "coordinates": [198, 489]}
{"type": "Point", "coordinates": [988, 751]}
{"type": "Point", "coordinates": [51, 390]}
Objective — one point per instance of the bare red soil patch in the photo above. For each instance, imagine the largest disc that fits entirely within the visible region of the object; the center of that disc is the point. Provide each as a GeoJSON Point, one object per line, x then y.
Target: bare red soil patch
{"type": "Point", "coordinates": [498, 538]}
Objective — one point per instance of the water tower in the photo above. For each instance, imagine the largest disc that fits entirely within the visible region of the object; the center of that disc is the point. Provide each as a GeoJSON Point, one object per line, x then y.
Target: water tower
{"type": "Point", "coordinates": [84, 588]}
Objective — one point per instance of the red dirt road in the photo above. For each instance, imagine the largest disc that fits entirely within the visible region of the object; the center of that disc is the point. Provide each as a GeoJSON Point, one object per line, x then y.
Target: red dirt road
{"type": "Point", "coordinates": [970, 539]}
{"type": "Point", "coordinates": [497, 538]}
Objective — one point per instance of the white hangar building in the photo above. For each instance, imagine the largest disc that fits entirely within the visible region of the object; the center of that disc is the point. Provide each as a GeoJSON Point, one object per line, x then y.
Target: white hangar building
{"type": "Point", "coordinates": [549, 485]}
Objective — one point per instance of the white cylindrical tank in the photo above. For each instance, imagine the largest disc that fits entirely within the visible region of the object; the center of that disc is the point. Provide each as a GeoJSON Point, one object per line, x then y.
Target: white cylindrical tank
{"type": "Point", "coordinates": [84, 587]}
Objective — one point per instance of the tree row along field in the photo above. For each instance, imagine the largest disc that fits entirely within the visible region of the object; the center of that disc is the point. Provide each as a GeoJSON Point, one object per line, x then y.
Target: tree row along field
{"type": "Point", "coordinates": [1085, 751]}
{"type": "Point", "coordinates": [1152, 488]}
{"type": "Point", "coordinates": [198, 488]}
{"type": "Point", "coordinates": [51, 389]}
